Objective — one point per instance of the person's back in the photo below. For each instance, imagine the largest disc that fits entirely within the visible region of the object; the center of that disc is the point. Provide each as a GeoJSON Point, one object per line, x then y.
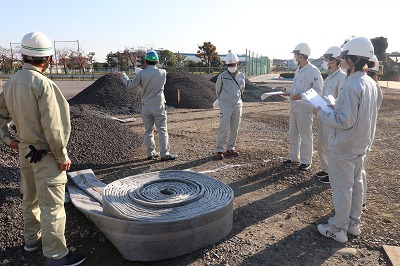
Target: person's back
{"type": "Point", "coordinates": [41, 115]}
{"type": "Point", "coordinates": [152, 81]}
{"type": "Point", "coordinates": [355, 132]}
{"type": "Point", "coordinates": [31, 92]}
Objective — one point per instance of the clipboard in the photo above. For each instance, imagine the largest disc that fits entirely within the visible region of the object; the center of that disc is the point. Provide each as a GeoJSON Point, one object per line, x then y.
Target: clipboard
{"type": "Point", "coordinates": [316, 100]}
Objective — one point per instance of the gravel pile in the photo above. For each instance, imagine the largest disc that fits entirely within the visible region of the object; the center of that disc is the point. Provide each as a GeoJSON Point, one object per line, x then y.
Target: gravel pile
{"type": "Point", "coordinates": [109, 94]}
{"type": "Point", "coordinates": [195, 91]}
{"type": "Point", "coordinates": [98, 141]}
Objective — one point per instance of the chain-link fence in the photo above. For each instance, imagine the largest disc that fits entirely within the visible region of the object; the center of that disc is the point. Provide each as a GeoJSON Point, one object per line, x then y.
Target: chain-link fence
{"type": "Point", "coordinates": [256, 65]}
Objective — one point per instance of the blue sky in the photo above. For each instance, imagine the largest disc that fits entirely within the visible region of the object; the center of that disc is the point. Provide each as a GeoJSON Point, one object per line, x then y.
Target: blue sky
{"type": "Point", "coordinates": [271, 28]}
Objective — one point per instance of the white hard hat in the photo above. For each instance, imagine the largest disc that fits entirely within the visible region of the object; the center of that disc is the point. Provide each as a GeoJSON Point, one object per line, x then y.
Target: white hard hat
{"type": "Point", "coordinates": [36, 44]}
{"type": "Point", "coordinates": [333, 51]}
{"type": "Point", "coordinates": [231, 58]}
{"type": "Point", "coordinates": [376, 67]}
{"type": "Point", "coordinates": [302, 48]}
{"type": "Point", "coordinates": [358, 46]}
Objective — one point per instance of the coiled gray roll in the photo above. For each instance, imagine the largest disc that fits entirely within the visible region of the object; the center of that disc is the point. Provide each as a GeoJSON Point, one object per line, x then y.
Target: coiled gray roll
{"type": "Point", "coordinates": [158, 215]}
{"type": "Point", "coordinates": [165, 196]}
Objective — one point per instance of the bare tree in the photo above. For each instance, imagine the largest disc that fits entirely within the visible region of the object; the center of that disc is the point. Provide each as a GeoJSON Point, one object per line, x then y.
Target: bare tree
{"type": "Point", "coordinates": [63, 58]}
{"type": "Point", "coordinates": [5, 59]}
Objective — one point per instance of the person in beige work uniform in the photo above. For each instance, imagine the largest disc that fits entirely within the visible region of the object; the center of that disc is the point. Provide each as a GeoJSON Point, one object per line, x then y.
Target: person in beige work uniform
{"type": "Point", "coordinates": [152, 80]}
{"type": "Point", "coordinates": [307, 76]}
{"type": "Point", "coordinates": [332, 85]}
{"type": "Point", "coordinates": [353, 123]}
{"type": "Point", "coordinates": [41, 116]}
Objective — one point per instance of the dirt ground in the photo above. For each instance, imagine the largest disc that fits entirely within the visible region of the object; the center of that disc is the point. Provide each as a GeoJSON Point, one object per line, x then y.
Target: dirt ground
{"type": "Point", "coordinates": [276, 209]}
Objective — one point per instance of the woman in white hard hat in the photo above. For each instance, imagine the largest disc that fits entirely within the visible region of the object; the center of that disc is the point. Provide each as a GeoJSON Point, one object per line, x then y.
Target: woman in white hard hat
{"type": "Point", "coordinates": [332, 85]}
{"type": "Point", "coordinates": [372, 69]}
{"type": "Point", "coordinates": [229, 88]}
{"type": "Point", "coordinates": [41, 115]}
{"type": "Point", "coordinates": [307, 76]}
{"type": "Point", "coordinates": [354, 122]}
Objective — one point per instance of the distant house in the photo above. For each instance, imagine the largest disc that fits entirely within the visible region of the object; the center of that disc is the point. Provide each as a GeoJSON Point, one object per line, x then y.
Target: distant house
{"type": "Point", "coordinates": [192, 56]}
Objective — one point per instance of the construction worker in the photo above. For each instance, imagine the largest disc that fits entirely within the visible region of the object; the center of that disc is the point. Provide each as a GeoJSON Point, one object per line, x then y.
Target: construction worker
{"type": "Point", "coordinates": [372, 71]}
{"type": "Point", "coordinates": [332, 85]}
{"type": "Point", "coordinates": [373, 68]}
{"type": "Point", "coordinates": [41, 116]}
{"type": "Point", "coordinates": [152, 80]}
{"type": "Point", "coordinates": [229, 89]}
{"type": "Point", "coordinates": [354, 122]}
{"type": "Point", "coordinates": [307, 76]}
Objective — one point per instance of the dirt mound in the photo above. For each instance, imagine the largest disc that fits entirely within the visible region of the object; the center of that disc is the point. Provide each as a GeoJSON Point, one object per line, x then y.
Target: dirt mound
{"type": "Point", "coordinates": [109, 94]}
{"type": "Point", "coordinates": [97, 140]}
{"type": "Point", "coordinates": [195, 91]}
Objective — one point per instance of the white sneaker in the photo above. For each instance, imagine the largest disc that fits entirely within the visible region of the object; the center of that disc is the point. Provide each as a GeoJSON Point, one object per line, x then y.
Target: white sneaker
{"type": "Point", "coordinates": [354, 229]}
{"type": "Point", "coordinates": [326, 231]}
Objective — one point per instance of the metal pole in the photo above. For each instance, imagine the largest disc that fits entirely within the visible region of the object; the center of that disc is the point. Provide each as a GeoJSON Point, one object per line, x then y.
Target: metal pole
{"type": "Point", "coordinates": [55, 57]}
{"type": "Point", "coordinates": [12, 59]}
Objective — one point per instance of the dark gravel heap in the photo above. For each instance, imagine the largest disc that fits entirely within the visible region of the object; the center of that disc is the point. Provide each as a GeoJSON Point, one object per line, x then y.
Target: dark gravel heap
{"type": "Point", "coordinates": [196, 92]}
{"type": "Point", "coordinates": [97, 141]}
{"type": "Point", "coordinates": [109, 94]}
{"type": "Point", "coordinates": [252, 92]}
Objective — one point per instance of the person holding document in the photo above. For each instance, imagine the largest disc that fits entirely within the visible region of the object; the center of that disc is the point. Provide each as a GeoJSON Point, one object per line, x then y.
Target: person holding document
{"type": "Point", "coordinates": [353, 124]}
{"type": "Point", "coordinates": [307, 76]}
{"type": "Point", "coordinates": [332, 84]}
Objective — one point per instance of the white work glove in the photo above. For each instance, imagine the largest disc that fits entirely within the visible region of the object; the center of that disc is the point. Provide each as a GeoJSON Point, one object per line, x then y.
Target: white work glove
{"type": "Point", "coordinates": [216, 104]}
{"type": "Point", "coordinates": [124, 78]}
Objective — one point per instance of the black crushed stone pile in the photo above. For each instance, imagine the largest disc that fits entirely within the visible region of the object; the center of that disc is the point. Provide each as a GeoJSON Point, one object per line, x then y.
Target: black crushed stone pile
{"type": "Point", "coordinates": [195, 91]}
{"type": "Point", "coordinates": [252, 92]}
{"type": "Point", "coordinates": [97, 141]}
{"type": "Point", "coordinates": [110, 95]}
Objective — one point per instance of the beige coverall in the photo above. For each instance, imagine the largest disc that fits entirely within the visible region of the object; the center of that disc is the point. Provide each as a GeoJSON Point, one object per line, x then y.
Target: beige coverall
{"type": "Point", "coordinates": [332, 84]}
{"type": "Point", "coordinates": [230, 100]}
{"type": "Point", "coordinates": [353, 125]}
{"type": "Point", "coordinates": [41, 115]}
{"type": "Point", "coordinates": [152, 80]}
{"type": "Point", "coordinates": [301, 116]}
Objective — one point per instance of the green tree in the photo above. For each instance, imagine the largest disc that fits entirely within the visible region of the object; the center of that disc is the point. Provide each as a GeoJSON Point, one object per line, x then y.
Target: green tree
{"type": "Point", "coordinates": [216, 62]}
{"type": "Point", "coordinates": [207, 53]}
{"type": "Point", "coordinates": [167, 58]}
{"type": "Point", "coordinates": [180, 60]}
{"type": "Point", "coordinates": [380, 45]}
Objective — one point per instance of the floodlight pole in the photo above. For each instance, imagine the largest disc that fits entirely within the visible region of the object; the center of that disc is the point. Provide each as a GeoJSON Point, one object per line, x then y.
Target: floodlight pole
{"type": "Point", "coordinates": [12, 56]}
{"type": "Point", "coordinates": [55, 51]}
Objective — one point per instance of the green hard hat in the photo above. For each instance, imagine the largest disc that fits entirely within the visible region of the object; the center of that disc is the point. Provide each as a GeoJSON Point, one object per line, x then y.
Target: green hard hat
{"type": "Point", "coordinates": [151, 56]}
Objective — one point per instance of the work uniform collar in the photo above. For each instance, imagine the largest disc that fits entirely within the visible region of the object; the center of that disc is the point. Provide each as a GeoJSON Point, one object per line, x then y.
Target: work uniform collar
{"type": "Point", "coordinates": [301, 69]}
{"type": "Point", "coordinates": [31, 67]}
{"type": "Point", "coordinates": [331, 74]}
{"type": "Point", "coordinates": [151, 66]}
{"type": "Point", "coordinates": [356, 75]}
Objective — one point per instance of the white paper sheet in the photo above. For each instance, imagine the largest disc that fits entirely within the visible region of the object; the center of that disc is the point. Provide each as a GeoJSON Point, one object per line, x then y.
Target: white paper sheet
{"type": "Point", "coordinates": [267, 94]}
{"type": "Point", "coordinates": [316, 100]}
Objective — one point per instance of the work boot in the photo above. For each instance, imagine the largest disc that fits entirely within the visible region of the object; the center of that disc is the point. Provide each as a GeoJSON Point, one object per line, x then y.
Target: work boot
{"type": "Point", "coordinates": [34, 246]}
{"type": "Point", "coordinates": [168, 157]}
{"type": "Point", "coordinates": [327, 231]}
{"type": "Point", "coordinates": [72, 259]}
{"type": "Point", "coordinates": [154, 156]}
{"type": "Point", "coordinates": [304, 167]}
{"type": "Point", "coordinates": [220, 155]}
{"type": "Point", "coordinates": [233, 153]}
{"type": "Point", "coordinates": [290, 163]}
